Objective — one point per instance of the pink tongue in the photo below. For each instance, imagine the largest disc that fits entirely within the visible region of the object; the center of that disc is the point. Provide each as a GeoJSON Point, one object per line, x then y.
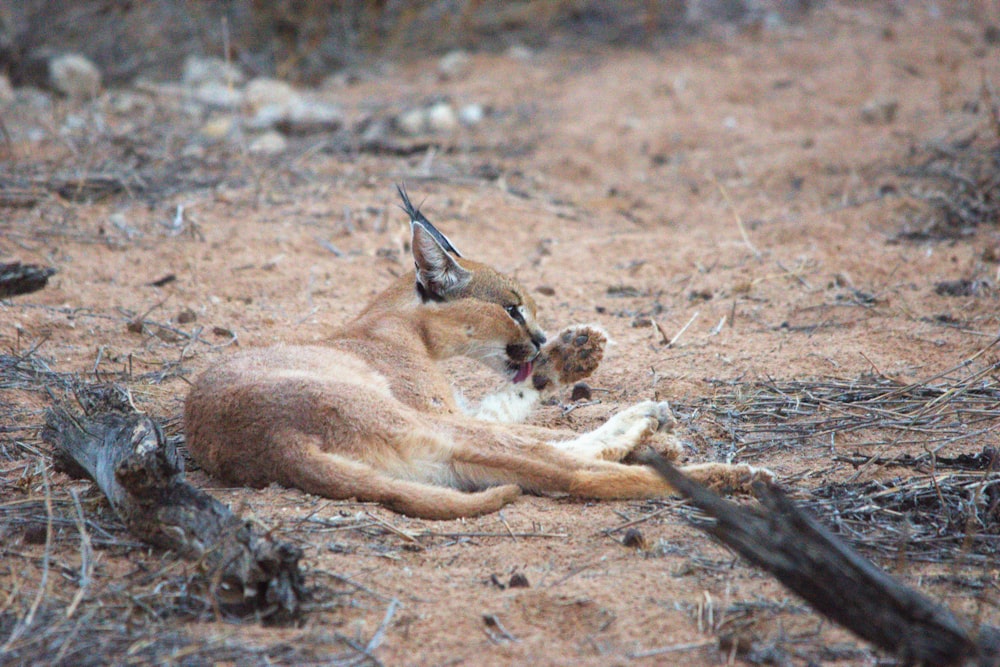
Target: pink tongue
{"type": "Point", "coordinates": [523, 371]}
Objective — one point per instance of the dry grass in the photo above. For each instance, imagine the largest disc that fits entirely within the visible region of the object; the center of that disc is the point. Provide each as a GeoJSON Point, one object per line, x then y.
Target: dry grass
{"type": "Point", "coordinates": [958, 177]}
{"type": "Point", "coordinates": [941, 509]}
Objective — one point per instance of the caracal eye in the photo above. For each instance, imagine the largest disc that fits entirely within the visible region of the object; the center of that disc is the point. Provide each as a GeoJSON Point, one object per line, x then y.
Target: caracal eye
{"type": "Point", "coordinates": [515, 313]}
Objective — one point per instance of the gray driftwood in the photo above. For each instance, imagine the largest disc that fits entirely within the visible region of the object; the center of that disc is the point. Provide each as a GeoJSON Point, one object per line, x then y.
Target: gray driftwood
{"type": "Point", "coordinates": [838, 582]}
{"type": "Point", "coordinates": [142, 475]}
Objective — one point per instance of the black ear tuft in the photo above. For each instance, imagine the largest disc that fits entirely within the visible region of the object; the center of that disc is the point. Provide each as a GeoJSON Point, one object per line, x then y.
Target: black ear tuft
{"type": "Point", "coordinates": [416, 217]}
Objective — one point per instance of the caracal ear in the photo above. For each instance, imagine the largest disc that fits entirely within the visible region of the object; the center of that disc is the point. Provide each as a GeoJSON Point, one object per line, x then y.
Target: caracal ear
{"type": "Point", "coordinates": [417, 216]}
{"type": "Point", "coordinates": [438, 274]}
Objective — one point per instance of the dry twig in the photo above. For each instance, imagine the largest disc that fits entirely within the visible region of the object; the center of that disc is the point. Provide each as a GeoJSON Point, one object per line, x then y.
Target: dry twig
{"type": "Point", "coordinates": [835, 580]}
{"type": "Point", "coordinates": [141, 474]}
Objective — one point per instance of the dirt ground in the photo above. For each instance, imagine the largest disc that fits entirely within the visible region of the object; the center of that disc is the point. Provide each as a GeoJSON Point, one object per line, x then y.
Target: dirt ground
{"type": "Point", "coordinates": [730, 210]}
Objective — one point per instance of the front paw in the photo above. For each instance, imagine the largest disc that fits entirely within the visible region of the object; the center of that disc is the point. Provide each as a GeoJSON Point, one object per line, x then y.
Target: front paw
{"type": "Point", "coordinates": [645, 425]}
{"type": "Point", "coordinates": [569, 357]}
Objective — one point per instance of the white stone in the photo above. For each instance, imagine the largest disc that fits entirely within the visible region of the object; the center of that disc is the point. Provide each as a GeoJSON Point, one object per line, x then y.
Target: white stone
{"type": "Point", "coordinates": [880, 110]}
{"type": "Point", "coordinates": [454, 64]}
{"type": "Point", "coordinates": [412, 121]}
{"type": "Point", "coordinates": [471, 114]}
{"type": "Point", "coordinates": [520, 52]}
{"type": "Point", "coordinates": [268, 143]}
{"type": "Point", "coordinates": [268, 116]}
{"type": "Point", "coordinates": [125, 102]}
{"type": "Point", "coordinates": [199, 70]}
{"type": "Point", "coordinates": [218, 95]}
{"type": "Point", "coordinates": [74, 76]}
{"type": "Point", "coordinates": [120, 222]}
{"type": "Point", "coordinates": [263, 92]}
{"type": "Point", "coordinates": [441, 118]}
{"type": "Point", "coordinates": [299, 115]}
{"type": "Point", "coordinates": [218, 127]}
{"type": "Point", "coordinates": [305, 116]}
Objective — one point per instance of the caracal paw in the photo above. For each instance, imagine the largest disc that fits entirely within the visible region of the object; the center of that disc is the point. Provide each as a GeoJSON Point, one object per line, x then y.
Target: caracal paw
{"type": "Point", "coordinates": [656, 415]}
{"type": "Point", "coordinates": [729, 477]}
{"type": "Point", "coordinates": [666, 445]}
{"type": "Point", "coordinates": [572, 355]}
{"type": "Point", "coordinates": [630, 428]}
{"type": "Point", "coordinates": [646, 423]}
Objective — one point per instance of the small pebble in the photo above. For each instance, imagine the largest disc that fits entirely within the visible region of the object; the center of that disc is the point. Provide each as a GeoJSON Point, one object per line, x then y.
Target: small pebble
{"type": "Point", "coordinates": [520, 52]}
{"type": "Point", "coordinates": [269, 143]}
{"type": "Point", "coordinates": [879, 111]}
{"type": "Point", "coordinates": [217, 128]}
{"type": "Point", "coordinates": [74, 76]}
{"type": "Point", "coordinates": [34, 534]}
{"type": "Point", "coordinates": [634, 539]}
{"type": "Point", "coordinates": [199, 70]}
{"type": "Point", "coordinates": [518, 580]}
{"type": "Point", "coordinates": [412, 121]}
{"type": "Point", "coordinates": [124, 102]}
{"type": "Point", "coordinates": [218, 95]}
{"type": "Point", "coordinates": [441, 118]}
{"type": "Point", "coordinates": [262, 92]}
{"type": "Point", "coordinates": [581, 392]}
{"type": "Point", "coordinates": [453, 64]}
{"type": "Point", "coordinates": [471, 114]}
{"type": "Point", "coordinates": [306, 116]}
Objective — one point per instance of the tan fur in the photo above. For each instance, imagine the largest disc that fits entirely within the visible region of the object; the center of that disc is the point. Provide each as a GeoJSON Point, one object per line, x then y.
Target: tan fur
{"type": "Point", "coordinates": [370, 415]}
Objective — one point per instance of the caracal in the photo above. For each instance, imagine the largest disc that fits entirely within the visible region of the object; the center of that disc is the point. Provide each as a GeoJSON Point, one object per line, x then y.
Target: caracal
{"type": "Point", "coordinates": [369, 414]}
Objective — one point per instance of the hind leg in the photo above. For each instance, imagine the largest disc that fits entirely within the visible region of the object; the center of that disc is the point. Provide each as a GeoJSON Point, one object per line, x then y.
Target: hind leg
{"type": "Point", "coordinates": [538, 467]}
{"type": "Point", "coordinates": [545, 470]}
{"type": "Point", "coordinates": [486, 455]}
{"type": "Point", "coordinates": [340, 478]}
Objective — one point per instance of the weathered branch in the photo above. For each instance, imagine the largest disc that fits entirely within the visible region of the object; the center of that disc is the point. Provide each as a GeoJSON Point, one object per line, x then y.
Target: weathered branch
{"type": "Point", "coordinates": [17, 278]}
{"type": "Point", "coordinates": [839, 583]}
{"type": "Point", "coordinates": [142, 475]}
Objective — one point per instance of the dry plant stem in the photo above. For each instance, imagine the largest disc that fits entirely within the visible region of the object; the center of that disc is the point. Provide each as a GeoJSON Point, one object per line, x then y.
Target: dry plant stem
{"type": "Point", "coordinates": [142, 476]}
{"type": "Point", "coordinates": [942, 407]}
{"type": "Point", "coordinates": [676, 648]}
{"type": "Point", "coordinates": [86, 554]}
{"type": "Point", "coordinates": [739, 221]}
{"type": "Point", "coordinates": [835, 580]}
{"type": "Point", "coordinates": [25, 623]}
{"type": "Point", "coordinates": [677, 337]}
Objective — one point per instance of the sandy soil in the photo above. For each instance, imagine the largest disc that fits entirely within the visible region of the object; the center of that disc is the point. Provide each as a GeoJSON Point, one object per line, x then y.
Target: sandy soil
{"type": "Point", "coordinates": [730, 195]}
